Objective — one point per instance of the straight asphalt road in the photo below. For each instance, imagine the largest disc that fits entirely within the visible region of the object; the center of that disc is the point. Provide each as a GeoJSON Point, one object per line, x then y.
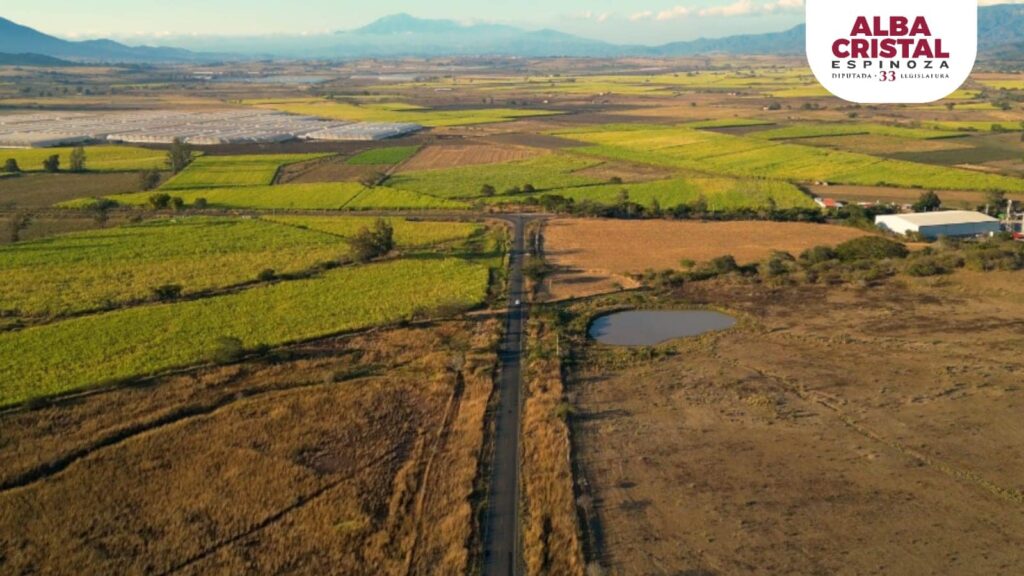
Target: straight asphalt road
{"type": "Point", "coordinates": [501, 526]}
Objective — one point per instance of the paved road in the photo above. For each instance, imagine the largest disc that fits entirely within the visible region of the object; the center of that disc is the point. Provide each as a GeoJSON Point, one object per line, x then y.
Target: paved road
{"type": "Point", "coordinates": [501, 524]}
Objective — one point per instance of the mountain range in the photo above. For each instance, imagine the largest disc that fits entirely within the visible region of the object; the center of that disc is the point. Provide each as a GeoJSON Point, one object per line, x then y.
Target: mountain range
{"type": "Point", "coordinates": [1001, 32]}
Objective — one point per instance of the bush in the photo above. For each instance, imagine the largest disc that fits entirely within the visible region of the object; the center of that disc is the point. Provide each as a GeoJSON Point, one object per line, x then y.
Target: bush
{"type": "Point", "coordinates": [11, 166]}
{"type": "Point", "coordinates": [160, 201]}
{"type": "Point", "coordinates": [870, 248]}
{"type": "Point", "coordinates": [167, 292]}
{"type": "Point", "coordinates": [487, 190]}
{"type": "Point", "coordinates": [818, 254]}
{"type": "Point", "coordinates": [267, 275]}
{"type": "Point", "coordinates": [373, 243]}
{"type": "Point", "coordinates": [52, 164]}
{"type": "Point", "coordinates": [927, 266]}
{"type": "Point", "coordinates": [149, 179]}
{"type": "Point", "coordinates": [200, 204]}
{"type": "Point", "coordinates": [177, 202]}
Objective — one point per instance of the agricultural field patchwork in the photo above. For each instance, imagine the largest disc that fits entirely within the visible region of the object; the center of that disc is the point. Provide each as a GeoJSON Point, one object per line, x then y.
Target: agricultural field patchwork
{"type": "Point", "coordinates": [797, 131]}
{"type": "Point", "coordinates": [742, 156]}
{"type": "Point", "coordinates": [383, 156]}
{"type": "Point", "coordinates": [81, 352]}
{"type": "Point", "coordinates": [396, 112]}
{"type": "Point", "coordinates": [107, 268]}
{"type": "Point", "coordinates": [97, 158]}
{"type": "Point", "coordinates": [543, 173]}
{"type": "Point", "coordinates": [234, 171]}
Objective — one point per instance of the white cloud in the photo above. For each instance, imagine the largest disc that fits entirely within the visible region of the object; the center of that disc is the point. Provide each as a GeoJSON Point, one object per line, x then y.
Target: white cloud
{"type": "Point", "coordinates": [737, 8]}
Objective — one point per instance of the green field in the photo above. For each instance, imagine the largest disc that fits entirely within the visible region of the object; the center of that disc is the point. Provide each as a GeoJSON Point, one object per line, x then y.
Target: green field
{"type": "Point", "coordinates": [729, 123]}
{"type": "Point", "coordinates": [102, 268]}
{"type": "Point", "coordinates": [395, 112]}
{"type": "Point", "coordinates": [97, 158]}
{"type": "Point", "coordinates": [382, 198]}
{"type": "Point", "coordinates": [407, 233]}
{"type": "Point", "coordinates": [796, 131]}
{"type": "Point", "coordinates": [232, 171]}
{"type": "Point", "coordinates": [719, 193]}
{"type": "Point", "coordinates": [544, 173]}
{"type": "Point", "coordinates": [92, 350]}
{"type": "Point", "coordinates": [715, 153]}
{"type": "Point", "coordinates": [383, 156]}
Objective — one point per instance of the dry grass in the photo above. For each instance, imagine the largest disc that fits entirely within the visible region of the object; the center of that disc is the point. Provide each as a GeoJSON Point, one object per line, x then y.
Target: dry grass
{"type": "Point", "coordinates": [551, 543]}
{"type": "Point", "coordinates": [885, 195]}
{"type": "Point", "coordinates": [452, 155]}
{"type": "Point", "coordinates": [358, 456]}
{"type": "Point", "coordinates": [836, 431]}
{"type": "Point", "coordinates": [597, 255]}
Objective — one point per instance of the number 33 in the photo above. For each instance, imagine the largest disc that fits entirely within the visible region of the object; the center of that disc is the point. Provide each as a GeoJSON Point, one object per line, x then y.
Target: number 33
{"type": "Point", "coordinates": [888, 77]}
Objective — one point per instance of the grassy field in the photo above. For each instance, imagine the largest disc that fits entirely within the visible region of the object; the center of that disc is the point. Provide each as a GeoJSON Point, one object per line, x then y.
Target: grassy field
{"type": "Point", "coordinates": [407, 233]}
{"type": "Point", "coordinates": [383, 156]}
{"type": "Point", "coordinates": [97, 158]}
{"type": "Point", "coordinates": [232, 171]}
{"type": "Point", "coordinates": [796, 131]}
{"type": "Point", "coordinates": [102, 268]}
{"type": "Point", "coordinates": [384, 198]}
{"type": "Point", "coordinates": [544, 173]}
{"type": "Point", "coordinates": [81, 352]}
{"type": "Point", "coordinates": [719, 193]}
{"type": "Point", "coordinates": [395, 112]}
{"type": "Point", "coordinates": [751, 157]}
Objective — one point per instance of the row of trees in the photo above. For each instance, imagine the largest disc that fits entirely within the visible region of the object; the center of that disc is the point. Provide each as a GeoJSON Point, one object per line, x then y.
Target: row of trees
{"type": "Point", "coordinates": [178, 158]}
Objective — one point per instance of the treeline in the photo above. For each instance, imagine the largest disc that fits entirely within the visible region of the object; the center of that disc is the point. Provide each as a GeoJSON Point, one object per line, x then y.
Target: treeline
{"type": "Point", "coordinates": [862, 261]}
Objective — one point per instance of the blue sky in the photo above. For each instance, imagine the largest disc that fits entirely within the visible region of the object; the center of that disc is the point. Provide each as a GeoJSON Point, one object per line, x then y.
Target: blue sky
{"type": "Point", "coordinates": [635, 21]}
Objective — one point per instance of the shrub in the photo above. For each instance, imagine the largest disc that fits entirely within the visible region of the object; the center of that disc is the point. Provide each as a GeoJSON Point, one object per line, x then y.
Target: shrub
{"type": "Point", "coordinates": [487, 190]}
{"type": "Point", "coordinates": [200, 204]}
{"type": "Point", "coordinates": [11, 166]}
{"type": "Point", "coordinates": [160, 201]}
{"type": "Point", "coordinates": [373, 243]}
{"type": "Point", "coordinates": [167, 292]}
{"type": "Point", "coordinates": [78, 159]}
{"type": "Point", "coordinates": [818, 254]}
{"type": "Point", "coordinates": [529, 189]}
{"type": "Point", "coordinates": [52, 164]}
{"type": "Point", "coordinates": [177, 202]}
{"type": "Point", "coordinates": [267, 275]}
{"type": "Point", "coordinates": [870, 248]}
{"type": "Point", "coordinates": [927, 266]}
{"type": "Point", "coordinates": [149, 179]}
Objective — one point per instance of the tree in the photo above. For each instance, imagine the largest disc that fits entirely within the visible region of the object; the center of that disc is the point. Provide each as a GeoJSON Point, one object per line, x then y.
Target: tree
{"type": "Point", "coordinates": [149, 179]}
{"type": "Point", "coordinates": [487, 190]}
{"type": "Point", "coordinates": [78, 159]}
{"type": "Point", "coordinates": [373, 243]}
{"type": "Point", "coordinates": [100, 209]}
{"type": "Point", "coordinates": [995, 199]}
{"type": "Point", "coordinates": [160, 201]}
{"type": "Point", "coordinates": [200, 203]}
{"type": "Point", "coordinates": [167, 292]}
{"type": "Point", "coordinates": [870, 248]}
{"type": "Point", "coordinates": [529, 189]}
{"type": "Point", "coordinates": [928, 202]}
{"type": "Point", "coordinates": [179, 156]}
{"type": "Point", "coordinates": [18, 224]}
{"type": "Point", "coordinates": [177, 203]}
{"type": "Point", "coordinates": [11, 166]}
{"type": "Point", "coordinates": [52, 164]}
{"type": "Point", "coordinates": [615, 180]}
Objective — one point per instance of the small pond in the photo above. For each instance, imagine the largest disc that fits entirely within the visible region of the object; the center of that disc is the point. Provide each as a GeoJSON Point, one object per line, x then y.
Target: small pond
{"type": "Point", "coordinates": [652, 327]}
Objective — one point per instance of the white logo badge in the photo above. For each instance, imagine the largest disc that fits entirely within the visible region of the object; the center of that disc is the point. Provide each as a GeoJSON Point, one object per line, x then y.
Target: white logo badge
{"type": "Point", "coordinates": [892, 51]}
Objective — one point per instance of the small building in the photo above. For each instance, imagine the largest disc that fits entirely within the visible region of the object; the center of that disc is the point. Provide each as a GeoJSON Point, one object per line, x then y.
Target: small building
{"type": "Point", "coordinates": [829, 203]}
{"type": "Point", "coordinates": [953, 223]}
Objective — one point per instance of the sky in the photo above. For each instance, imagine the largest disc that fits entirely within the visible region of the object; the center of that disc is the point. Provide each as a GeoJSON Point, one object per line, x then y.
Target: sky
{"type": "Point", "coordinates": [622, 21]}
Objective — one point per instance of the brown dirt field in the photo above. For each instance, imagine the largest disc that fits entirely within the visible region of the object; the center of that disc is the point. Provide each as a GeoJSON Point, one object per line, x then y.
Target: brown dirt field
{"type": "Point", "coordinates": [324, 170]}
{"type": "Point", "coordinates": [455, 155]}
{"type": "Point", "coordinates": [43, 190]}
{"type": "Point", "coordinates": [358, 456]}
{"type": "Point", "coordinates": [835, 431]}
{"type": "Point", "coordinates": [596, 256]}
{"type": "Point", "coordinates": [950, 198]}
{"type": "Point", "coordinates": [628, 172]}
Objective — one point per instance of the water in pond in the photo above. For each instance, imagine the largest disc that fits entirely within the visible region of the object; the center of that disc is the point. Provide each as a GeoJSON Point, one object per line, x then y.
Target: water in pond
{"type": "Point", "coordinates": [651, 327]}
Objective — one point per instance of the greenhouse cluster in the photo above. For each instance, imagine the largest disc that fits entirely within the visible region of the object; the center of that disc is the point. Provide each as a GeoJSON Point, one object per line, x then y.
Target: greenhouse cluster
{"type": "Point", "coordinates": [41, 130]}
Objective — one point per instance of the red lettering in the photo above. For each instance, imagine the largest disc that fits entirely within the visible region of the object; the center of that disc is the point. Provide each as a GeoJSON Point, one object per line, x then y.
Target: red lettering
{"type": "Point", "coordinates": [859, 48]}
{"type": "Point", "coordinates": [938, 49]}
{"type": "Point", "coordinates": [837, 48]}
{"type": "Point", "coordinates": [861, 27]}
{"type": "Point", "coordinates": [898, 26]}
{"type": "Point", "coordinates": [920, 27]}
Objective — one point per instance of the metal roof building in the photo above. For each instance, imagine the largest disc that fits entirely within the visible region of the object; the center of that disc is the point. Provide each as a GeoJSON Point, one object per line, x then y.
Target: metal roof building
{"type": "Point", "coordinates": [934, 224]}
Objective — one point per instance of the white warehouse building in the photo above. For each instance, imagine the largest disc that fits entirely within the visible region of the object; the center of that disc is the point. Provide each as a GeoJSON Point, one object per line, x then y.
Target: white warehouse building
{"type": "Point", "coordinates": [934, 224]}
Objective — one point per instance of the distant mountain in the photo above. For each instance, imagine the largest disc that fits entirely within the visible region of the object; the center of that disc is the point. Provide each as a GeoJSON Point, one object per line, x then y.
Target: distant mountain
{"type": "Point", "coordinates": [33, 60]}
{"type": "Point", "coordinates": [18, 39]}
{"type": "Point", "coordinates": [405, 35]}
{"type": "Point", "coordinates": [1001, 35]}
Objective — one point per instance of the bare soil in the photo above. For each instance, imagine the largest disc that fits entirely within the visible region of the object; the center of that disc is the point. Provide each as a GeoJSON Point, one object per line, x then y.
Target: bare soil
{"type": "Point", "coordinates": [356, 456]}
{"type": "Point", "coordinates": [594, 256]}
{"type": "Point", "coordinates": [835, 431]}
